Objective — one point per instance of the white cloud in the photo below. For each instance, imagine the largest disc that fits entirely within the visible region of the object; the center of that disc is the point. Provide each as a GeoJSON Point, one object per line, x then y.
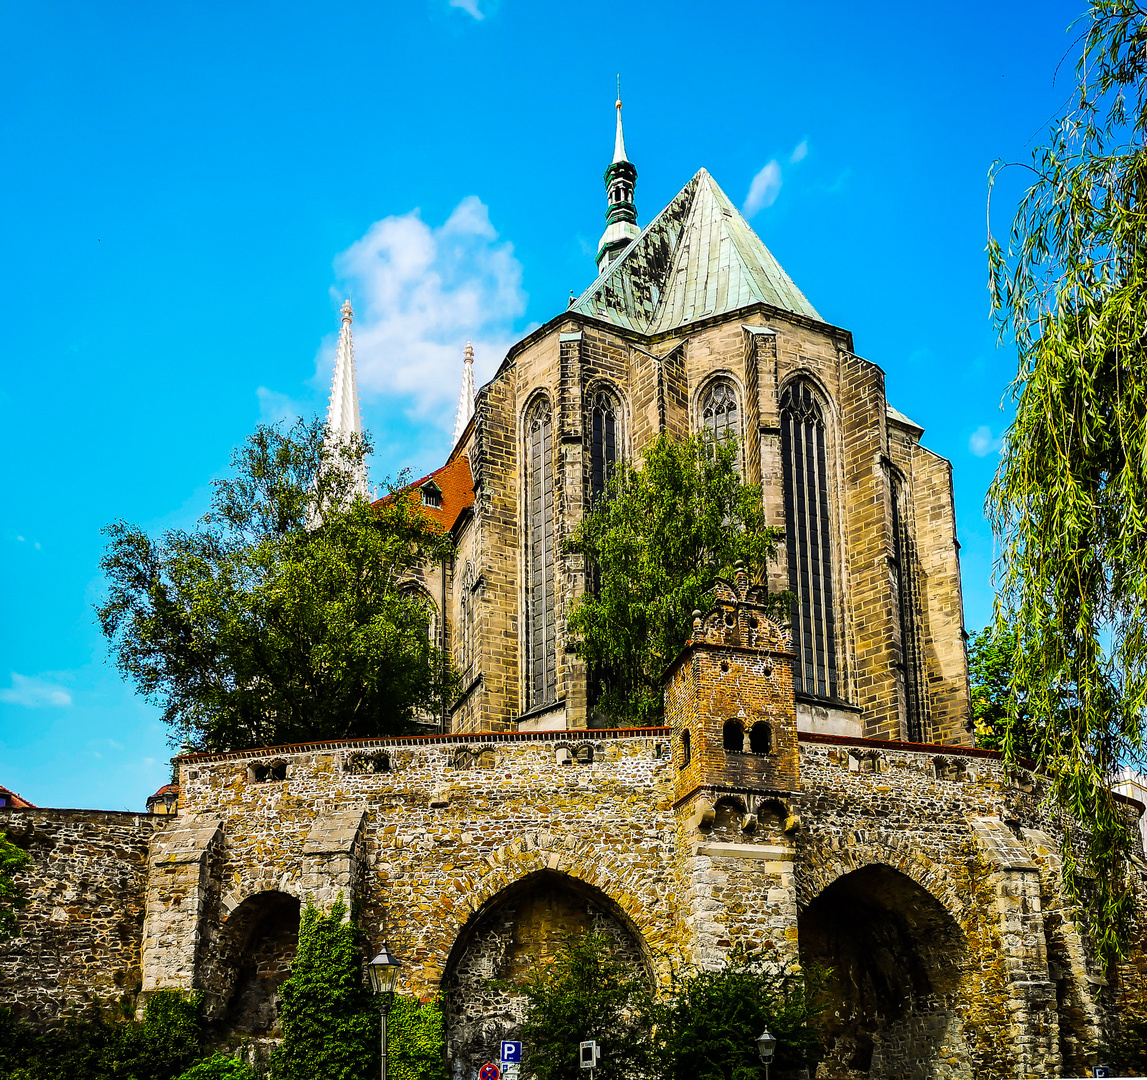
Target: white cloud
{"type": "Point", "coordinates": [277, 408]}
{"type": "Point", "coordinates": [764, 189]}
{"type": "Point", "coordinates": [420, 292]}
{"type": "Point", "coordinates": [33, 693]}
{"type": "Point", "coordinates": [983, 442]}
{"type": "Point", "coordinates": [800, 152]}
{"type": "Point", "coordinates": [468, 6]}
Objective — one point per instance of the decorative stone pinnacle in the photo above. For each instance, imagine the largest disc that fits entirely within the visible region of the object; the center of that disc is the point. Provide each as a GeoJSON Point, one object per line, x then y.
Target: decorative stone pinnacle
{"type": "Point", "coordinates": [465, 394]}
{"type": "Point", "coordinates": [347, 311]}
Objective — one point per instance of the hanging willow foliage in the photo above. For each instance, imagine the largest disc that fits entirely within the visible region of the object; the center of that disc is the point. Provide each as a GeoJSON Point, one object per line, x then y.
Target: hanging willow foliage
{"type": "Point", "coordinates": [1069, 501]}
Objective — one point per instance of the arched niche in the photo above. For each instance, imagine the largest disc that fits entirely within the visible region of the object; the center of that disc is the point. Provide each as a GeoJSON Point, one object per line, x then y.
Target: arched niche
{"type": "Point", "coordinates": [252, 958]}
{"type": "Point", "coordinates": [898, 958]}
{"type": "Point", "coordinates": [523, 925]}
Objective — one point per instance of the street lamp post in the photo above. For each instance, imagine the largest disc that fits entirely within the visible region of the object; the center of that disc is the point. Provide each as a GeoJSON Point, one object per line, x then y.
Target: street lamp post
{"type": "Point", "coordinates": [383, 972]}
{"type": "Point", "coordinates": [766, 1047]}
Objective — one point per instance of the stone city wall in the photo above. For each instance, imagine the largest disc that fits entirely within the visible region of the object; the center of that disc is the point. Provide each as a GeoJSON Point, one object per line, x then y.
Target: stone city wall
{"type": "Point", "coordinates": [80, 935]}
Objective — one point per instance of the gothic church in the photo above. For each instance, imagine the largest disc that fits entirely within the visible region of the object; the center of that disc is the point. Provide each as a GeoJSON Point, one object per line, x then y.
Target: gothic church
{"type": "Point", "coordinates": [693, 324]}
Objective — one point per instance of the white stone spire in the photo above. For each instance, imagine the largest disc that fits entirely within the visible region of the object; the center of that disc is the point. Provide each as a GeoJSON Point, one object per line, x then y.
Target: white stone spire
{"type": "Point", "coordinates": [619, 138]}
{"type": "Point", "coordinates": [466, 394]}
{"type": "Point", "coordinates": [343, 416]}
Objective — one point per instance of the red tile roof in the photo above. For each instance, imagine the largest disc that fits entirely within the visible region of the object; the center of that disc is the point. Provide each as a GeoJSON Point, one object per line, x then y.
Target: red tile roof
{"type": "Point", "coordinates": [457, 485]}
{"type": "Point", "coordinates": [11, 798]}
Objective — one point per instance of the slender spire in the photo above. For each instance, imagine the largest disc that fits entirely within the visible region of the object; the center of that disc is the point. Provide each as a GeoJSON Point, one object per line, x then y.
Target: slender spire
{"type": "Point", "coordinates": [466, 394]}
{"type": "Point", "coordinates": [619, 138]}
{"type": "Point", "coordinates": [621, 216]}
{"type": "Point", "coordinates": [343, 416]}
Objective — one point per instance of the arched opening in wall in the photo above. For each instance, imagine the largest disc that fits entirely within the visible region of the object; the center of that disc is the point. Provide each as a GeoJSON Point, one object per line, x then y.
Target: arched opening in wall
{"type": "Point", "coordinates": [524, 925]}
{"type": "Point", "coordinates": [761, 738]}
{"type": "Point", "coordinates": [733, 737]}
{"type": "Point", "coordinates": [256, 949]}
{"type": "Point", "coordinates": [897, 959]}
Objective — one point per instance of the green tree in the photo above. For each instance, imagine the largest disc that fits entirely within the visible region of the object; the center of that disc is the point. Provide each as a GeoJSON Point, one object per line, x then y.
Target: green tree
{"type": "Point", "coordinates": [220, 1066]}
{"type": "Point", "coordinates": [1069, 502]}
{"type": "Point", "coordinates": [263, 625]}
{"type": "Point", "coordinates": [585, 993]}
{"type": "Point", "coordinates": [329, 1018]}
{"type": "Point", "coordinates": [12, 898]}
{"type": "Point", "coordinates": [995, 708]}
{"type": "Point", "coordinates": [709, 1027]}
{"type": "Point", "coordinates": [654, 545]}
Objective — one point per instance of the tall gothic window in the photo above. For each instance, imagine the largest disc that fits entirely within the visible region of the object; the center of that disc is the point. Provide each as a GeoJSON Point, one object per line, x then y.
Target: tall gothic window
{"type": "Point", "coordinates": [808, 536]}
{"type": "Point", "coordinates": [605, 431]}
{"type": "Point", "coordinates": [720, 410]}
{"type": "Point", "coordinates": [541, 656]}
{"type": "Point", "coordinates": [907, 584]}
{"type": "Point", "coordinates": [466, 620]}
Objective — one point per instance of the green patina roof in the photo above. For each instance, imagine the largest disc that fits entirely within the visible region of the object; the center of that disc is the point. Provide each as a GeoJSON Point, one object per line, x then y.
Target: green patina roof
{"type": "Point", "coordinates": [697, 258]}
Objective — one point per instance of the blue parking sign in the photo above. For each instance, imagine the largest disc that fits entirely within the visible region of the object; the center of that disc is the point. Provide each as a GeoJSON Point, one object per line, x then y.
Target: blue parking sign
{"type": "Point", "coordinates": [511, 1053]}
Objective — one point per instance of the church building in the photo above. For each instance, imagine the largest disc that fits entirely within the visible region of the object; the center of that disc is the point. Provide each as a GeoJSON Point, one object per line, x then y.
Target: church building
{"type": "Point", "coordinates": [692, 324]}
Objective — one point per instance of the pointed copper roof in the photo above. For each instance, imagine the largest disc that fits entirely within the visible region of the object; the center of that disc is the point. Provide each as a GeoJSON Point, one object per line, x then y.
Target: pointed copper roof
{"type": "Point", "coordinates": [697, 258]}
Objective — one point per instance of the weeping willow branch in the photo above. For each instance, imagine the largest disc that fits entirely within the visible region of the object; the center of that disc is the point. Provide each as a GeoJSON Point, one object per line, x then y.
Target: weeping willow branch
{"type": "Point", "coordinates": [1069, 501]}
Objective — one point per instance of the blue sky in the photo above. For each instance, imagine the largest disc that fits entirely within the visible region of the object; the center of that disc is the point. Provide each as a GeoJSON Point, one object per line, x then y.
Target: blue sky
{"type": "Point", "coordinates": [188, 190]}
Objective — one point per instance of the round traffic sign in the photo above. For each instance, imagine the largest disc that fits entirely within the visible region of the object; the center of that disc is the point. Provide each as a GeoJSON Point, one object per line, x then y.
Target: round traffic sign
{"type": "Point", "coordinates": [489, 1071]}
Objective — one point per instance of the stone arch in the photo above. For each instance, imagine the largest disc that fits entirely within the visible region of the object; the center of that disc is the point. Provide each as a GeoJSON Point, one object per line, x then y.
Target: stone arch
{"type": "Point", "coordinates": [248, 962]}
{"type": "Point", "coordinates": [524, 923]}
{"type": "Point", "coordinates": [534, 852]}
{"type": "Point", "coordinates": [898, 960]}
{"type": "Point", "coordinates": [819, 865]}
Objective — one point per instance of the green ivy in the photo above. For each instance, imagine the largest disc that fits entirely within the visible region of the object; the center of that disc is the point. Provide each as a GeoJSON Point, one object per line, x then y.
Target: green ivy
{"type": "Point", "coordinates": [416, 1038]}
{"type": "Point", "coordinates": [94, 1047]}
{"type": "Point", "coordinates": [220, 1066]}
{"type": "Point", "coordinates": [12, 898]}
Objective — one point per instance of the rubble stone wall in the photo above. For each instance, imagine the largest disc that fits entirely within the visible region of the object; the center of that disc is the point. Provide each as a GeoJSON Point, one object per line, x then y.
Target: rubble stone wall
{"type": "Point", "coordinates": [81, 934]}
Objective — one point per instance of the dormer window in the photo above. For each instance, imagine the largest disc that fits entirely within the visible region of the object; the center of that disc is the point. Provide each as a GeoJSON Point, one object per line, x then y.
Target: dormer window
{"type": "Point", "coordinates": [431, 494]}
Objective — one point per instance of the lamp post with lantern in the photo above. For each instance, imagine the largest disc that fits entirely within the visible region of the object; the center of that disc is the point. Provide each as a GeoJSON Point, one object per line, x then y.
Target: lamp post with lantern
{"type": "Point", "coordinates": [766, 1047]}
{"type": "Point", "coordinates": [383, 972]}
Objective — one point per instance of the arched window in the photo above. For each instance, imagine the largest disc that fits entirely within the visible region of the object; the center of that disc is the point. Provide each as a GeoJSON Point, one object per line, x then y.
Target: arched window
{"type": "Point", "coordinates": [905, 573]}
{"type": "Point", "coordinates": [605, 431]}
{"type": "Point", "coordinates": [720, 410]}
{"type": "Point", "coordinates": [733, 737]}
{"type": "Point", "coordinates": [808, 537]}
{"type": "Point", "coordinates": [466, 620]}
{"type": "Point", "coordinates": [686, 749]}
{"type": "Point", "coordinates": [760, 738]}
{"type": "Point", "coordinates": [541, 658]}
{"type": "Point", "coordinates": [428, 617]}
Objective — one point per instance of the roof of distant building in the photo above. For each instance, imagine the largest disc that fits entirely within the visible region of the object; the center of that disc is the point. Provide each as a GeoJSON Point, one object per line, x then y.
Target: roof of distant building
{"type": "Point", "coordinates": [8, 797]}
{"type": "Point", "coordinates": [456, 487]}
{"type": "Point", "coordinates": [699, 257]}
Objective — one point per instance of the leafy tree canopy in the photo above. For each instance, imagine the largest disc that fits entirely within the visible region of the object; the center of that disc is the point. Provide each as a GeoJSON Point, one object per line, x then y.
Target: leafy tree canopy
{"type": "Point", "coordinates": [12, 898]}
{"type": "Point", "coordinates": [710, 1026]}
{"type": "Point", "coordinates": [996, 711]}
{"type": "Point", "coordinates": [279, 618]}
{"type": "Point", "coordinates": [1069, 502]}
{"type": "Point", "coordinates": [585, 993]}
{"type": "Point", "coordinates": [704, 1028]}
{"type": "Point", "coordinates": [654, 545]}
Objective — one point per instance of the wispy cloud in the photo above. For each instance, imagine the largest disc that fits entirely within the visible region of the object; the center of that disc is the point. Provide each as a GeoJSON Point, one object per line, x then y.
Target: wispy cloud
{"type": "Point", "coordinates": [468, 6]}
{"type": "Point", "coordinates": [277, 408]}
{"type": "Point", "coordinates": [764, 189]}
{"type": "Point", "coordinates": [34, 693]}
{"type": "Point", "coordinates": [419, 293]}
{"type": "Point", "coordinates": [983, 442]}
{"type": "Point", "coordinates": [766, 185]}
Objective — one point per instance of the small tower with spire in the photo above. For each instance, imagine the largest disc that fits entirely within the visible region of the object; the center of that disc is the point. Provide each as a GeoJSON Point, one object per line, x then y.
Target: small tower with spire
{"type": "Point", "coordinates": [621, 217]}
{"type": "Point", "coordinates": [344, 419]}
{"type": "Point", "coordinates": [466, 394]}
